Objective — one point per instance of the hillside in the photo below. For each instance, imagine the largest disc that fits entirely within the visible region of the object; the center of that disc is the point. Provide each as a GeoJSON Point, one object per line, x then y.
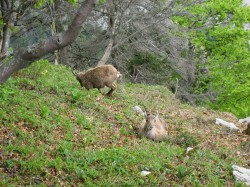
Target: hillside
{"type": "Point", "coordinates": [52, 133]}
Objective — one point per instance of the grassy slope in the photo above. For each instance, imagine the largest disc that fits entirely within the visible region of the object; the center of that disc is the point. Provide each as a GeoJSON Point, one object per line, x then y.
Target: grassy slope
{"type": "Point", "coordinates": [52, 133]}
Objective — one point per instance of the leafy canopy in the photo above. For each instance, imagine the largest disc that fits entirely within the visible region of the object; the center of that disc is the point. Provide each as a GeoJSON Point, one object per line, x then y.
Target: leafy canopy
{"type": "Point", "coordinates": [218, 31]}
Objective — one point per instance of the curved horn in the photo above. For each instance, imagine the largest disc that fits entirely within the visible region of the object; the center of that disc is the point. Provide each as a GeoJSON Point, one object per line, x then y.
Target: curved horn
{"type": "Point", "coordinates": [73, 72]}
{"type": "Point", "coordinates": [74, 68]}
{"type": "Point", "coordinates": [146, 110]}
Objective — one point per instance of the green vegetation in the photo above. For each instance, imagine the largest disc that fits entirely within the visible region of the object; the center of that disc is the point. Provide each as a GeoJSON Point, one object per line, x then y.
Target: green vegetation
{"type": "Point", "coordinates": [225, 43]}
{"type": "Point", "coordinates": [53, 133]}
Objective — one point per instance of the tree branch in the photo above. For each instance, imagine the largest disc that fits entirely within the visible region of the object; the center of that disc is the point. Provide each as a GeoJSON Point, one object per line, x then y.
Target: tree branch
{"type": "Point", "coordinates": [24, 57]}
{"type": "Point", "coordinates": [112, 27]}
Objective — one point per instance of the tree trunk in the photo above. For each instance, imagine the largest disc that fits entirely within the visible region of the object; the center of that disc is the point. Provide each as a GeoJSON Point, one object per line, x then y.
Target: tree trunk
{"type": "Point", "coordinates": [8, 19]}
{"type": "Point", "coordinates": [24, 57]}
{"type": "Point", "coordinates": [59, 27]}
{"type": "Point", "coordinates": [52, 10]}
{"type": "Point", "coordinates": [107, 53]}
{"type": "Point", "coordinates": [112, 26]}
{"type": "Point", "coordinates": [6, 38]}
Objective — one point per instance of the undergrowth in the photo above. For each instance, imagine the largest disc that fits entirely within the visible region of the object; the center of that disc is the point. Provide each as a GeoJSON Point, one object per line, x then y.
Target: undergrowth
{"type": "Point", "coordinates": [53, 133]}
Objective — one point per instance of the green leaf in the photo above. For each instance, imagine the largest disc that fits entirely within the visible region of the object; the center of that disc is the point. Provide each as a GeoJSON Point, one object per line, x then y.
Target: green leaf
{"type": "Point", "coordinates": [40, 3]}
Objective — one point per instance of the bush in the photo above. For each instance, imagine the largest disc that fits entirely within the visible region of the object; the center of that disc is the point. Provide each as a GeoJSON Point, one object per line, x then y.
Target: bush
{"type": "Point", "coordinates": [186, 140]}
{"type": "Point", "coordinates": [151, 69]}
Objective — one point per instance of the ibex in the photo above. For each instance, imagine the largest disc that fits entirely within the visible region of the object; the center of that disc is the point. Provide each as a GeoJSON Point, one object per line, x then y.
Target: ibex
{"type": "Point", "coordinates": [99, 77]}
{"type": "Point", "coordinates": [152, 127]}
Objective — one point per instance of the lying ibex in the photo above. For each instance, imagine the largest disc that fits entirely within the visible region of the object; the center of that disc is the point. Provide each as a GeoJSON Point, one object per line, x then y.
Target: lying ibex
{"type": "Point", "coordinates": [99, 77]}
{"type": "Point", "coordinates": [152, 127]}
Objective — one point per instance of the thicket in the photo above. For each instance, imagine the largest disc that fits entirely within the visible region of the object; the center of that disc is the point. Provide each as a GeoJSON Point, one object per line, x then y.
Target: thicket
{"type": "Point", "coordinates": [150, 68]}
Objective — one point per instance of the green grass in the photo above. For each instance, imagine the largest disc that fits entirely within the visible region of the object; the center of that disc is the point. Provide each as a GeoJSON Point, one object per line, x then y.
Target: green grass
{"type": "Point", "coordinates": [53, 133]}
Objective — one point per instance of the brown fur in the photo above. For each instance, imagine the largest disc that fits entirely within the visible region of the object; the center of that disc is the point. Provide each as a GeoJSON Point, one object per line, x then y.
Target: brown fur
{"type": "Point", "coordinates": [153, 127]}
{"type": "Point", "coordinates": [99, 77]}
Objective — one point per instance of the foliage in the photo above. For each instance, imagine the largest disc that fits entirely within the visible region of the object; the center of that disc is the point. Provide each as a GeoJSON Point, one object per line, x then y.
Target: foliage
{"type": "Point", "coordinates": [53, 133]}
{"type": "Point", "coordinates": [222, 39]}
{"type": "Point", "coordinates": [73, 1]}
{"type": "Point", "coordinates": [40, 3]}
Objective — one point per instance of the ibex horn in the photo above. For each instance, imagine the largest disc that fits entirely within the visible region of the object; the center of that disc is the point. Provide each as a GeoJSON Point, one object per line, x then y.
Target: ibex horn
{"type": "Point", "coordinates": [146, 110]}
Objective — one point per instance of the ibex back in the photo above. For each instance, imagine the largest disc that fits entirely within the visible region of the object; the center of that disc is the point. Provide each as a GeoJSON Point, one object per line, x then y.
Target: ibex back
{"type": "Point", "coordinates": [99, 77]}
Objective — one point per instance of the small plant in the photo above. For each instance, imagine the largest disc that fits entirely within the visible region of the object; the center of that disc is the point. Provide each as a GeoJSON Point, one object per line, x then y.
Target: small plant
{"type": "Point", "coordinates": [4, 94]}
{"type": "Point", "coordinates": [76, 95]}
{"type": "Point", "coordinates": [81, 120]}
{"type": "Point", "coordinates": [246, 146]}
{"type": "Point", "coordinates": [124, 131]}
{"type": "Point", "coordinates": [44, 111]}
{"type": "Point", "coordinates": [182, 172]}
{"type": "Point", "coordinates": [186, 140]}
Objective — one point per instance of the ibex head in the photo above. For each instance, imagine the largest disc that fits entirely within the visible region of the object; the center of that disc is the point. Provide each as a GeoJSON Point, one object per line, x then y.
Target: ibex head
{"type": "Point", "coordinates": [151, 118]}
{"type": "Point", "coordinates": [152, 126]}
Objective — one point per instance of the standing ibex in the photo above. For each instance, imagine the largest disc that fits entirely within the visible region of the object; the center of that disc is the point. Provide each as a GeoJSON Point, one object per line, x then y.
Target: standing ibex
{"type": "Point", "coordinates": [99, 77]}
{"type": "Point", "coordinates": [152, 127]}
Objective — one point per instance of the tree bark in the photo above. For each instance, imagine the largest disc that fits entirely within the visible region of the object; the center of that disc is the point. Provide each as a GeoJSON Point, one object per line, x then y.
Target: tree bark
{"type": "Point", "coordinates": [8, 19]}
{"type": "Point", "coordinates": [6, 38]}
{"type": "Point", "coordinates": [52, 12]}
{"type": "Point", "coordinates": [108, 50]}
{"type": "Point", "coordinates": [26, 56]}
{"type": "Point", "coordinates": [112, 26]}
{"type": "Point", "coordinates": [59, 27]}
